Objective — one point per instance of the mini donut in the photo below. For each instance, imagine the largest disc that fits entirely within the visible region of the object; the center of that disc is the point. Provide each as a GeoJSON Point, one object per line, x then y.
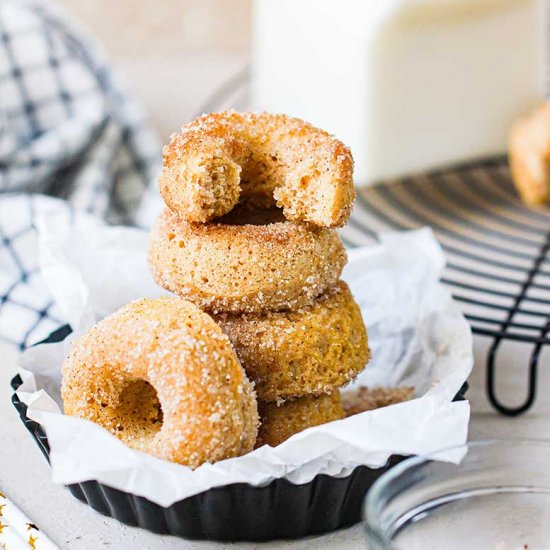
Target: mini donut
{"type": "Point", "coordinates": [221, 158]}
{"type": "Point", "coordinates": [529, 156]}
{"type": "Point", "coordinates": [241, 267]}
{"type": "Point", "coordinates": [306, 351]}
{"type": "Point", "coordinates": [161, 376]}
{"type": "Point", "coordinates": [279, 421]}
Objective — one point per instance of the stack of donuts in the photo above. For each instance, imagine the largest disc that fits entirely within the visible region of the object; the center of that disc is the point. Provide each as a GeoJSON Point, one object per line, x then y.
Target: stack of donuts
{"type": "Point", "coordinates": [261, 331]}
{"type": "Point", "coordinates": [249, 236]}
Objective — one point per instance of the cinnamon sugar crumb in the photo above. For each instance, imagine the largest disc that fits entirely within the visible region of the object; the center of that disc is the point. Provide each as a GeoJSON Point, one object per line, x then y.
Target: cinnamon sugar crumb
{"type": "Point", "coordinates": [363, 399]}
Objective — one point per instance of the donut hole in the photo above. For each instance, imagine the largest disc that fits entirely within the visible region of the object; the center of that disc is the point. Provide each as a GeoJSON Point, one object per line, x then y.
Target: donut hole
{"type": "Point", "coordinates": [247, 215]}
{"type": "Point", "coordinates": [138, 413]}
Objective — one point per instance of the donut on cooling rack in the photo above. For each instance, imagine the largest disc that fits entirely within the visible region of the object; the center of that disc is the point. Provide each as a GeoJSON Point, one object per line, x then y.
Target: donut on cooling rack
{"type": "Point", "coordinates": [305, 351]}
{"type": "Point", "coordinates": [162, 377]}
{"type": "Point", "coordinates": [250, 261]}
{"type": "Point", "coordinates": [279, 421]}
{"type": "Point", "coordinates": [529, 155]}
{"type": "Point", "coordinates": [220, 159]}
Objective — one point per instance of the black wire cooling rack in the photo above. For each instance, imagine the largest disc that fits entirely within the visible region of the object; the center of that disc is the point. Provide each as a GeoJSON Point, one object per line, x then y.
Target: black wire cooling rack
{"type": "Point", "coordinates": [498, 253]}
{"type": "Point", "coordinates": [498, 250]}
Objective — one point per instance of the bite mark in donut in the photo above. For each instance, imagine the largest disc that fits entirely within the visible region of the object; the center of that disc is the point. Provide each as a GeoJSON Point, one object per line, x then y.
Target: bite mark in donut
{"type": "Point", "coordinates": [263, 159]}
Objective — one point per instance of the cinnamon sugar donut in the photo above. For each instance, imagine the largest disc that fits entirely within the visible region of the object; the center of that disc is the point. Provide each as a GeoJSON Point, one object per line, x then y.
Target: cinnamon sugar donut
{"type": "Point", "coordinates": [307, 351]}
{"type": "Point", "coordinates": [279, 421]}
{"type": "Point", "coordinates": [529, 156]}
{"type": "Point", "coordinates": [162, 377]}
{"type": "Point", "coordinates": [238, 266]}
{"type": "Point", "coordinates": [221, 158]}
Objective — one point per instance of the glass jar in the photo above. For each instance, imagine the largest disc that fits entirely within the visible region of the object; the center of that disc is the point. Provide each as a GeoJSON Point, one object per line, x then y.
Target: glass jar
{"type": "Point", "coordinates": [486, 495]}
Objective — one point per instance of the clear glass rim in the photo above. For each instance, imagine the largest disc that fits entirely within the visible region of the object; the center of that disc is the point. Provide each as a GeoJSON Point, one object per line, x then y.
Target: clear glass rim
{"type": "Point", "coordinates": [371, 516]}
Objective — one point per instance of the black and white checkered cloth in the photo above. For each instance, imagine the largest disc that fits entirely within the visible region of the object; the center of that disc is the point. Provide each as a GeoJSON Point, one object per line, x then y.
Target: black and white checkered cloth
{"type": "Point", "coordinates": [67, 130]}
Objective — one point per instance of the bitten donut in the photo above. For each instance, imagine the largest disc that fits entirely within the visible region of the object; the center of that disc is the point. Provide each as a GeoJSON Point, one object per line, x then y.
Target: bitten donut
{"type": "Point", "coordinates": [237, 266]}
{"type": "Point", "coordinates": [306, 351]}
{"type": "Point", "coordinates": [162, 377]}
{"type": "Point", "coordinates": [221, 158]}
{"type": "Point", "coordinates": [280, 421]}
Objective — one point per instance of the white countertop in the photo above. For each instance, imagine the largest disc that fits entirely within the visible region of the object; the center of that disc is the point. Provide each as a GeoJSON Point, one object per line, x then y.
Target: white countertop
{"type": "Point", "coordinates": [24, 474]}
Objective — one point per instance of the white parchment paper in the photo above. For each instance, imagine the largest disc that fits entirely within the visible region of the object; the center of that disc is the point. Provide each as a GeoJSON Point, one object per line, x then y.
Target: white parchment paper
{"type": "Point", "coordinates": [417, 334]}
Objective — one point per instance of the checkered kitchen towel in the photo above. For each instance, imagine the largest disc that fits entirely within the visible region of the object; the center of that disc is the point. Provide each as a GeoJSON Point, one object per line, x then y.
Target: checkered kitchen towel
{"type": "Point", "coordinates": [67, 130]}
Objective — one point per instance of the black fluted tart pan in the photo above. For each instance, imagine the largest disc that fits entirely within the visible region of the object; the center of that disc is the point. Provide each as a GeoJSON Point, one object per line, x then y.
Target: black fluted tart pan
{"type": "Point", "coordinates": [236, 512]}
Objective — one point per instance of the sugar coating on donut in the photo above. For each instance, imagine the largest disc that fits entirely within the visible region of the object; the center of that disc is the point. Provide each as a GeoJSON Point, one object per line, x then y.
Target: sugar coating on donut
{"type": "Point", "coordinates": [162, 377]}
{"type": "Point", "coordinates": [266, 159]}
{"type": "Point", "coordinates": [241, 267]}
{"type": "Point", "coordinates": [529, 155]}
{"type": "Point", "coordinates": [309, 350]}
{"type": "Point", "coordinates": [279, 421]}
{"type": "Point", "coordinates": [363, 399]}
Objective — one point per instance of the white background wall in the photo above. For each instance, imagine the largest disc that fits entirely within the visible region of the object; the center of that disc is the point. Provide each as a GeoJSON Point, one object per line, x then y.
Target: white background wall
{"type": "Point", "coordinates": [170, 52]}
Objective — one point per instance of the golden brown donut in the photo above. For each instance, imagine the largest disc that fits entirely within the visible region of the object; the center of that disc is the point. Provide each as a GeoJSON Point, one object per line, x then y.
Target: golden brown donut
{"type": "Point", "coordinates": [306, 351]}
{"type": "Point", "coordinates": [221, 158]}
{"type": "Point", "coordinates": [280, 421]}
{"type": "Point", "coordinates": [162, 377]}
{"type": "Point", "coordinates": [529, 156]}
{"type": "Point", "coordinates": [244, 268]}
